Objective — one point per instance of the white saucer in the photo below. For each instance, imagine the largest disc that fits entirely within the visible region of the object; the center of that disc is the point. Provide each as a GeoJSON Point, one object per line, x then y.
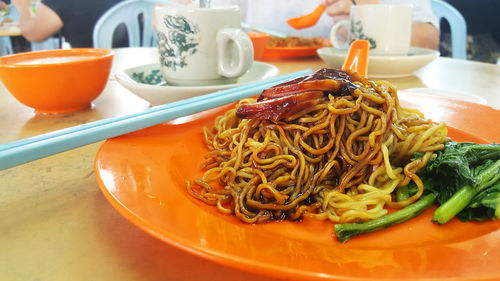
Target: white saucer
{"type": "Point", "coordinates": [384, 66]}
{"type": "Point", "coordinates": [147, 82]}
{"type": "Point", "coordinates": [445, 93]}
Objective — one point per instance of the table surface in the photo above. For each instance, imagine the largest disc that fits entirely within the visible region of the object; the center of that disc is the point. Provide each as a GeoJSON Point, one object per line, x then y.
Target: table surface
{"type": "Point", "coordinates": [56, 225]}
{"type": "Point", "coordinates": [9, 28]}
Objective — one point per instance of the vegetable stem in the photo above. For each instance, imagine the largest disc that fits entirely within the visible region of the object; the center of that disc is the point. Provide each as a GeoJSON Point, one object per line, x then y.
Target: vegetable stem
{"type": "Point", "coordinates": [345, 231]}
{"type": "Point", "coordinates": [463, 196]}
{"type": "Point", "coordinates": [454, 205]}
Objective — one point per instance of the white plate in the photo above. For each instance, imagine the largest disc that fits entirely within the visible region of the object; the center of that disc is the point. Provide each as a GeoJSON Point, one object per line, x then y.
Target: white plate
{"type": "Point", "coordinates": [384, 66]}
{"type": "Point", "coordinates": [449, 94]}
{"type": "Point", "coordinates": [147, 82]}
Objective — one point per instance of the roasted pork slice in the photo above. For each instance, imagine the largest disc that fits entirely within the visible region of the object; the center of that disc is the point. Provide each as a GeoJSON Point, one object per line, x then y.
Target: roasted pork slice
{"type": "Point", "coordinates": [279, 108]}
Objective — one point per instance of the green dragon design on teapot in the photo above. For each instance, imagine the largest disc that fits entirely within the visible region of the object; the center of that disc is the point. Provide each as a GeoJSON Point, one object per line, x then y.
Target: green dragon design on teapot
{"type": "Point", "coordinates": [179, 43]}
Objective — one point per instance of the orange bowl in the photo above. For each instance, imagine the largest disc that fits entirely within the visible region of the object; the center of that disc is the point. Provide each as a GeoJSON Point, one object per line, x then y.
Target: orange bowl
{"type": "Point", "coordinates": [57, 81]}
{"type": "Point", "coordinates": [259, 42]}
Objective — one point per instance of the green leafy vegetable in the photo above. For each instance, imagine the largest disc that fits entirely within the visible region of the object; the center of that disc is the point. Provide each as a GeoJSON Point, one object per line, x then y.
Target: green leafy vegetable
{"type": "Point", "coordinates": [458, 160]}
{"type": "Point", "coordinates": [465, 178]}
{"type": "Point", "coordinates": [464, 196]}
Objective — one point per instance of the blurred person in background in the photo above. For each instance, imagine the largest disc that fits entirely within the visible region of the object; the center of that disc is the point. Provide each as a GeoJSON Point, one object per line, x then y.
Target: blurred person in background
{"type": "Point", "coordinates": [19, 44]}
{"type": "Point", "coordinates": [273, 14]}
{"type": "Point", "coordinates": [3, 6]}
{"type": "Point", "coordinates": [72, 19]}
{"type": "Point", "coordinates": [425, 27]}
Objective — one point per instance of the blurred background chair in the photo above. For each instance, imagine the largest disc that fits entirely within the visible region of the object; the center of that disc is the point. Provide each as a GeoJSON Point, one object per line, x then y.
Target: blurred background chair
{"type": "Point", "coordinates": [135, 15]}
{"type": "Point", "coordinates": [458, 27]}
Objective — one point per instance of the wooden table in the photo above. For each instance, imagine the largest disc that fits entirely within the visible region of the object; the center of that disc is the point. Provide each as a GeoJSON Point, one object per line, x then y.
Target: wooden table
{"type": "Point", "coordinates": [9, 28]}
{"type": "Point", "coordinates": [56, 225]}
{"type": "Point", "coordinates": [10, 31]}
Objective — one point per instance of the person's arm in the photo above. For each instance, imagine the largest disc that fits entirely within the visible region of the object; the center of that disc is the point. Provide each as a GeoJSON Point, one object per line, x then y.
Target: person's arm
{"type": "Point", "coordinates": [343, 7]}
{"type": "Point", "coordinates": [424, 35]}
{"type": "Point", "coordinates": [39, 26]}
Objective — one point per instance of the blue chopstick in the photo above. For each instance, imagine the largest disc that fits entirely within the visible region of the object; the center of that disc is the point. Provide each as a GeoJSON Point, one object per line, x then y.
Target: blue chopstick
{"type": "Point", "coordinates": [23, 151]}
{"type": "Point", "coordinates": [22, 142]}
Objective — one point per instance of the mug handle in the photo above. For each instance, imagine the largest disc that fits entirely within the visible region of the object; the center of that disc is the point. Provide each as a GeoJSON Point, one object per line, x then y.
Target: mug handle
{"type": "Point", "coordinates": [225, 59]}
{"type": "Point", "coordinates": [333, 34]}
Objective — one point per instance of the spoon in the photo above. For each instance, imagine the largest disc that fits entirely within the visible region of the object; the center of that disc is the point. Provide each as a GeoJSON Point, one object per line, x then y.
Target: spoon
{"type": "Point", "coordinates": [357, 57]}
{"type": "Point", "coordinates": [307, 20]}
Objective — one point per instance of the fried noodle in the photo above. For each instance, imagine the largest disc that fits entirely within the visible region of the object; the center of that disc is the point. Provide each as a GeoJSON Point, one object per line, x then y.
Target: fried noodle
{"type": "Point", "coordinates": [341, 159]}
{"type": "Point", "coordinates": [295, 41]}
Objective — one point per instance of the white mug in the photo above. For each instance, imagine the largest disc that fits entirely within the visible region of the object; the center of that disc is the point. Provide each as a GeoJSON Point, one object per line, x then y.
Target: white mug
{"type": "Point", "coordinates": [386, 27]}
{"type": "Point", "coordinates": [202, 46]}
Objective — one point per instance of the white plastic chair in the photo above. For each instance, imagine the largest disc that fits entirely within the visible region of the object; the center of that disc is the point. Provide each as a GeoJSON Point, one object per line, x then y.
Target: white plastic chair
{"type": "Point", "coordinates": [458, 27]}
{"type": "Point", "coordinates": [136, 15]}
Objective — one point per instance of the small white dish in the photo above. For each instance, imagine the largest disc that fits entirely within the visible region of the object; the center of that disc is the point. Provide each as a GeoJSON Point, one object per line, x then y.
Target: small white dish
{"type": "Point", "coordinates": [147, 82]}
{"type": "Point", "coordinates": [384, 66]}
{"type": "Point", "coordinates": [448, 94]}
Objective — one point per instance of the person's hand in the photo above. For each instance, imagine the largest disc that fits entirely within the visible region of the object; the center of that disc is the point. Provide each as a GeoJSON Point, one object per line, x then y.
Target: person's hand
{"type": "Point", "coordinates": [3, 6]}
{"type": "Point", "coordinates": [336, 8]}
{"type": "Point", "coordinates": [342, 8]}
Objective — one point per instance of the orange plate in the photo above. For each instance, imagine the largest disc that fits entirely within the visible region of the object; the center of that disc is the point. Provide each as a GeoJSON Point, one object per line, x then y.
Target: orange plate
{"type": "Point", "coordinates": [143, 175]}
{"type": "Point", "coordinates": [289, 52]}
